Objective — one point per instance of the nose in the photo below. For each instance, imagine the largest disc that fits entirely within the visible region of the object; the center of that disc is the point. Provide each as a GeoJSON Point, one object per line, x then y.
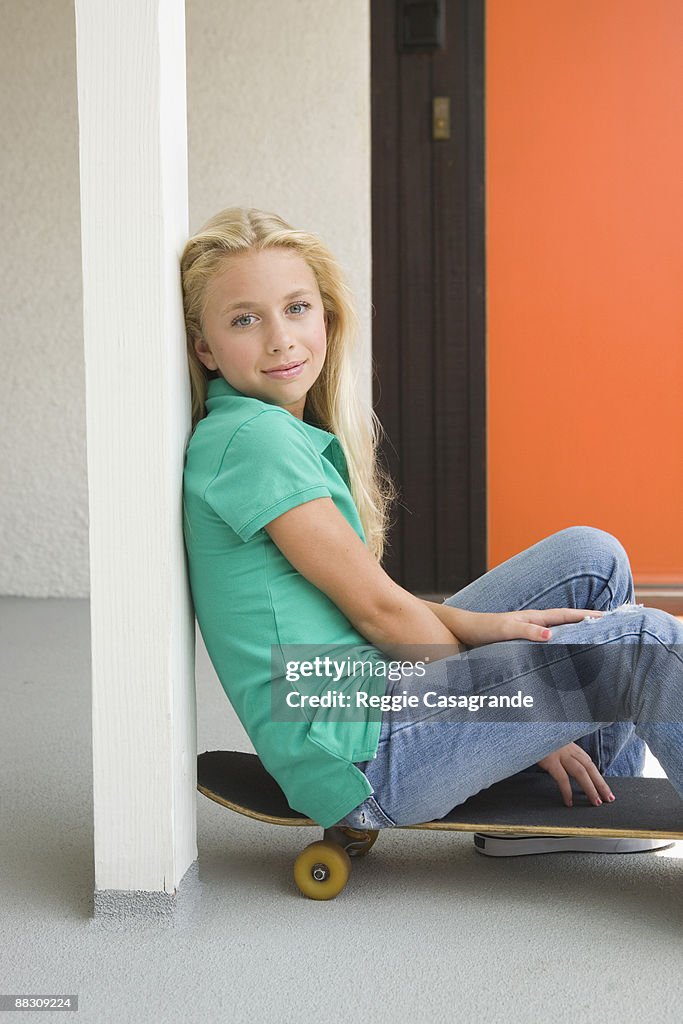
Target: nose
{"type": "Point", "coordinates": [279, 338]}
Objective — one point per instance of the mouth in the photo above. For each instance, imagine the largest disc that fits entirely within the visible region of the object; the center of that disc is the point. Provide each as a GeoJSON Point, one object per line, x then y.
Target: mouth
{"type": "Point", "coordinates": [286, 371]}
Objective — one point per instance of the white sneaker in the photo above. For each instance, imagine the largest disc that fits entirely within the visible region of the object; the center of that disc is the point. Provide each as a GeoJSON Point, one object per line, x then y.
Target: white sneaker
{"type": "Point", "coordinates": [496, 844]}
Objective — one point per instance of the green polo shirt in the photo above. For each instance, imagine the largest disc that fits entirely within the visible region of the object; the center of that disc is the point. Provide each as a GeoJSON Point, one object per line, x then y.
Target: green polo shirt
{"type": "Point", "coordinates": [247, 462]}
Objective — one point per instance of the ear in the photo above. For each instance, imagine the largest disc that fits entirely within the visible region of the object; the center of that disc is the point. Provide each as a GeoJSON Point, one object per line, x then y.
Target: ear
{"type": "Point", "coordinates": [204, 352]}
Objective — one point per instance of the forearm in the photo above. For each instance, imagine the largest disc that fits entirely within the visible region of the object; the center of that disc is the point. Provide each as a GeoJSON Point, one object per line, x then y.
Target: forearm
{"type": "Point", "coordinates": [445, 613]}
{"type": "Point", "coordinates": [408, 629]}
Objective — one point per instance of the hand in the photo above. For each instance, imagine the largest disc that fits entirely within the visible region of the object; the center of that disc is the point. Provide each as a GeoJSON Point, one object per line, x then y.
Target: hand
{"type": "Point", "coordinates": [478, 628]}
{"type": "Point", "coordinates": [573, 760]}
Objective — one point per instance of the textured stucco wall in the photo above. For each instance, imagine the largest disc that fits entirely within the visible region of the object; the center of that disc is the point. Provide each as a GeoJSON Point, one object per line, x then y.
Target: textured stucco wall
{"type": "Point", "coordinates": [44, 495]}
{"type": "Point", "coordinates": [278, 117]}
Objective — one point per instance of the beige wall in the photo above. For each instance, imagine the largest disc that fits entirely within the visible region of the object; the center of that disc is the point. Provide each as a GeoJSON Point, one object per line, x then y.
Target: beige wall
{"type": "Point", "coordinates": [278, 117]}
{"type": "Point", "coordinates": [44, 496]}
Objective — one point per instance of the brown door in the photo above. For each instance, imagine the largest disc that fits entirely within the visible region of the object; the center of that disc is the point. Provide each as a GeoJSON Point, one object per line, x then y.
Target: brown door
{"type": "Point", "coordinates": [428, 285]}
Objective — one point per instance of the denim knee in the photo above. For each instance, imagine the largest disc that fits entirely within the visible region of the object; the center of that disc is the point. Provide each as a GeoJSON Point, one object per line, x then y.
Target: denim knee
{"type": "Point", "coordinates": [599, 541]}
{"type": "Point", "coordinates": [607, 552]}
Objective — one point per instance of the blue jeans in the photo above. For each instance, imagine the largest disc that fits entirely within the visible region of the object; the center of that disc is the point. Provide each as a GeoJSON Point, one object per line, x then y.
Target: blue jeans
{"type": "Point", "coordinates": [427, 763]}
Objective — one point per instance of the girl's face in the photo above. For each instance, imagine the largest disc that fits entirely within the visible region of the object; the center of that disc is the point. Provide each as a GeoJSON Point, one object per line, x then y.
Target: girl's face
{"type": "Point", "coordinates": [264, 327]}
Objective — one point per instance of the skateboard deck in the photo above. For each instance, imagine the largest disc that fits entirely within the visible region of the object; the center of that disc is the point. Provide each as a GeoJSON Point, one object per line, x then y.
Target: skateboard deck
{"type": "Point", "coordinates": [527, 803]}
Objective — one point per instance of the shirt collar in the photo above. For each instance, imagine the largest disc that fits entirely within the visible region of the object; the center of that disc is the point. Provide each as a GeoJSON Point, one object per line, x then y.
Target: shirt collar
{"type": "Point", "coordinates": [218, 388]}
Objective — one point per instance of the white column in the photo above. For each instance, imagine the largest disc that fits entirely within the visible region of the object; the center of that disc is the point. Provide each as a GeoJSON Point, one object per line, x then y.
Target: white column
{"type": "Point", "coordinates": [133, 158]}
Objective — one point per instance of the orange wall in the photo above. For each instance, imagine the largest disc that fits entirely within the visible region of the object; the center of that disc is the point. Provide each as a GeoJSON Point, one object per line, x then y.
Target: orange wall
{"type": "Point", "coordinates": [585, 275]}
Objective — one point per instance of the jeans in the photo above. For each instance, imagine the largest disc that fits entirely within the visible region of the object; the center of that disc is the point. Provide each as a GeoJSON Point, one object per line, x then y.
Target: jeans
{"type": "Point", "coordinates": [427, 763]}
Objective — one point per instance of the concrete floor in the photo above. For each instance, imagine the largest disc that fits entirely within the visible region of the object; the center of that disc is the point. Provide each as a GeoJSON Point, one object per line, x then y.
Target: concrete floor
{"type": "Point", "coordinates": [426, 930]}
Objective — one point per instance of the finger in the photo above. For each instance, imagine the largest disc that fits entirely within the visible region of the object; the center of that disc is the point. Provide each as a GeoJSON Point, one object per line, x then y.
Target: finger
{"type": "Point", "coordinates": [584, 758]}
{"type": "Point", "coordinates": [599, 782]}
{"type": "Point", "coordinates": [574, 614]}
{"type": "Point", "coordinates": [531, 626]}
{"type": "Point", "coordinates": [537, 633]}
{"type": "Point", "coordinates": [520, 626]}
{"type": "Point", "coordinates": [562, 780]}
{"type": "Point", "coordinates": [583, 776]}
{"type": "Point", "coordinates": [539, 620]}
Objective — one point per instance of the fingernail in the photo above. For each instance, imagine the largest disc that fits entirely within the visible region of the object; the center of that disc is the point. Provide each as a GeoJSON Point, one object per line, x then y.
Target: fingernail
{"type": "Point", "coordinates": [599, 801]}
{"type": "Point", "coordinates": [612, 797]}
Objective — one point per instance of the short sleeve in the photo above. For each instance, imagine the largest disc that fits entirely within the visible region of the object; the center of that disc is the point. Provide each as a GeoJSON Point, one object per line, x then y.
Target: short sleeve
{"type": "Point", "coordinates": [268, 467]}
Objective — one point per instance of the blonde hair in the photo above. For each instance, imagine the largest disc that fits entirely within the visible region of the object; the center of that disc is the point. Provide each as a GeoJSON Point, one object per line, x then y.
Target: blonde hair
{"type": "Point", "coordinates": [333, 403]}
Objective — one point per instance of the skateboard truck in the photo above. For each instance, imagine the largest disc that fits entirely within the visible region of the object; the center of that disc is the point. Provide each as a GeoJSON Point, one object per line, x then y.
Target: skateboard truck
{"type": "Point", "coordinates": [356, 842]}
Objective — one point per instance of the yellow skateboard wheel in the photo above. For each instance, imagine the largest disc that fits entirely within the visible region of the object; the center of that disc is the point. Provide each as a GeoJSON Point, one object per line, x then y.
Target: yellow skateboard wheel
{"type": "Point", "coordinates": [322, 870]}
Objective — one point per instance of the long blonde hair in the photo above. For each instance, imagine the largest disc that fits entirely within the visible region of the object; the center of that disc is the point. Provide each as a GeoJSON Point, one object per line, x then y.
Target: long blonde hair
{"type": "Point", "coordinates": [333, 403]}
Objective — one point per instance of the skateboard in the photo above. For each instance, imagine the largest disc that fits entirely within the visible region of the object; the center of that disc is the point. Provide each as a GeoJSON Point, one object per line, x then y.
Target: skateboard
{"type": "Point", "coordinates": [525, 803]}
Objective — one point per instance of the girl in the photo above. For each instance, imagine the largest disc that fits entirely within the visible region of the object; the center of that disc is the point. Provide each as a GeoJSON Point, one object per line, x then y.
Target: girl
{"type": "Point", "coordinates": [286, 510]}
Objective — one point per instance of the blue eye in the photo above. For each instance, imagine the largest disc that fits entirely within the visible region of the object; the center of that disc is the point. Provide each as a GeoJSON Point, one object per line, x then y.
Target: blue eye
{"type": "Point", "coordinates": [244, 316]}
{"type": "Point", "coordinates": [304, 305]}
